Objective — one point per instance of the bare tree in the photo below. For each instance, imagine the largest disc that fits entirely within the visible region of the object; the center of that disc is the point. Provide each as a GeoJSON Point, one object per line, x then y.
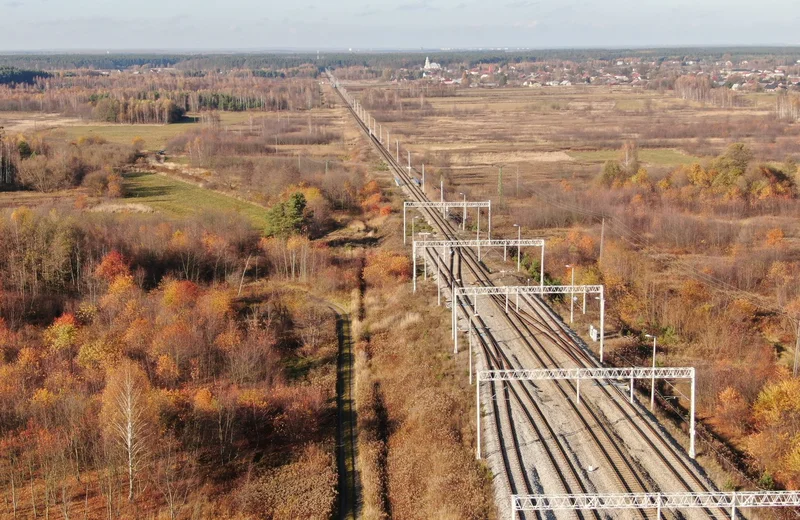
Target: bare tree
{"type": "Point", "coordinates": [629, 157]}
{"type": "Point", "coordinates": [175, 475]}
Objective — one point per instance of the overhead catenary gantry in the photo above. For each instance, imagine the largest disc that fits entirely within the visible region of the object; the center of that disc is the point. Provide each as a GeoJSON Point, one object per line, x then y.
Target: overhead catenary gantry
{"type": "Point", "coordinates": [446, 205]}
{"type": "Point", "coordinates": [479, 243]}
{"type": "Point", "coordinates": [578, 374]}
{"type": "Point", "coordinates": [658, 501]}
{"type": "Point", "coordinates": [508, 290]}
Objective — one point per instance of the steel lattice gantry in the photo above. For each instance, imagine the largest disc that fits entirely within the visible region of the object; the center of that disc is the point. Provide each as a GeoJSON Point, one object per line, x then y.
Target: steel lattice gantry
{"type": "Point", "coordinates": [445, 205]}
{"type": "Point", "coordinates": [508, 290]}
{"type": "Point", "coordinates": [478, 243]}
{"type": "Point", "coordinates": [593, 373]}
{"type": "Point", "coordinates": [657, 501]}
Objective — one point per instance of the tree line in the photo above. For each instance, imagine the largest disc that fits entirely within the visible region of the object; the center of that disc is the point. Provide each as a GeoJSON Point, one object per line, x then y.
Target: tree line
{"type": "Point", "coordinates": [314, 65]}
{"type": "Point", "coordinates": [157, 98]}
{"type": "Point", "coordinates": [12, 75]}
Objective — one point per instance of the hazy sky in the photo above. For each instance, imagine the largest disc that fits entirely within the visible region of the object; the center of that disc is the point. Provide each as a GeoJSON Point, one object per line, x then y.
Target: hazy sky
{"type": "Point", "coordinates": [377, 24]}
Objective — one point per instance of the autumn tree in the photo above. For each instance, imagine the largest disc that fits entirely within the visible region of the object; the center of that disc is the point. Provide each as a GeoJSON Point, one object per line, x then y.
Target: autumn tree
{"type": "Point", "coordinates": [111, 266]}
{"type": "Point", "coordinates": [732, 412]}
{"type": "Point", "coordinates": [776, 414]}
{"type": "Point", "coordinates": [128, 418]}
{"type": "Point", "coordinates": [732, 164]}
{"type": "Point", "coordinates": [611, 173]}
{"type": "Point", "coordinates": [61, 336]}
{"type": "Point", "coordinates": [384, 267]}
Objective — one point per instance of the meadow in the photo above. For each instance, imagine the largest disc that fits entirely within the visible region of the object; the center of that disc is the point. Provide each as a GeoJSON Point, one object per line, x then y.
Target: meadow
{"type": "Point", "coordinates": [155, 136]}
{"type": "Point", "coordinates": [182, 199]}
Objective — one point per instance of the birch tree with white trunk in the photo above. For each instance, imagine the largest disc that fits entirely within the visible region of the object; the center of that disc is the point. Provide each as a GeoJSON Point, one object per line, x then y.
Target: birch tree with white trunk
{"type": "Point", "coordinates": [128, 418]}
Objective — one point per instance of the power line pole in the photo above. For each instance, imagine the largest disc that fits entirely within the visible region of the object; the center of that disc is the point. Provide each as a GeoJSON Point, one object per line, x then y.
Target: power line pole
{"type": "Point", "coordinates": [2, 161]}
{"type": "Point", "coordinates": [500, 182]}
{"type": "Point", "coordinates": [796, 323]}
{"type": "Point", "coordinates": [602, 239]}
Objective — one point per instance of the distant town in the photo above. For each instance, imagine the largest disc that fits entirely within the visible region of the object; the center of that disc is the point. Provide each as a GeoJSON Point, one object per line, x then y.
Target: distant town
{"type": "Point", "coordinates": [637, 72]}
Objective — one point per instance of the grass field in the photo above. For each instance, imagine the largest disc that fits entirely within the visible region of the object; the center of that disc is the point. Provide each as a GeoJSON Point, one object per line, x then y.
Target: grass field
{"type": "Point", "coordinates": [155, 136]}
{"type": "Point", "coordinates": [657, 156]}
{"type": "Point", "coordinates": [174, 197]}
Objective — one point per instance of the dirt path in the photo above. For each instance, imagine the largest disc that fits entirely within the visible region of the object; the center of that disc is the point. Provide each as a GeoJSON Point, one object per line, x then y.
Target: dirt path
{"type": "Point", "coordinates": [346, 419]}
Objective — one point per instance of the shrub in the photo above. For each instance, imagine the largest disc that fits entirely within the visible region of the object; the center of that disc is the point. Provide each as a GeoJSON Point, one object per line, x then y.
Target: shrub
{"type": "Point", "coordinates": [304, 488]}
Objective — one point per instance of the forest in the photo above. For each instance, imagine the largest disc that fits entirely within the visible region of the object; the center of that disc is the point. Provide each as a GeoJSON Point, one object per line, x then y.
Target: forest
{"type": "Point", "coordinates": [11, 75]}
{"type": "Point", "coordinates": [171, 321]}
{"type": "Point", "coordinates": [156, 98]}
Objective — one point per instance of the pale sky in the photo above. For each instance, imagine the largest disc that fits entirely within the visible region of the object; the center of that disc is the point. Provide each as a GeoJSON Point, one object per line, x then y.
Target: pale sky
{"type": "Point", "coordinates": [404, 24]}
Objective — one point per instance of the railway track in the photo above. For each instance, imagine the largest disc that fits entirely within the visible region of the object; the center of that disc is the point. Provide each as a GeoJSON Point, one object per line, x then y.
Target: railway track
{"type": "Point", "coordinates": [626, 473]}
{"type": "Point", "coordinates": [503, 421]}
{"type": "Point", "coordinates": [554, 449]}
{"type": "Point", "coordinates": [545, 322]}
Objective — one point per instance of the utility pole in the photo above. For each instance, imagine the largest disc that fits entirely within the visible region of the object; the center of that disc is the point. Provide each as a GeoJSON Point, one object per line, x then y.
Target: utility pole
{"type": "Point", "coordinates": [517, 181]}
{"type": "Point", "coordinates": [500, 182]}
{"type": "Point", "coordinates": [571, 294]}
{"type": "Point", "coordinates": [438, 280]}
{"type": "Point", "coordinates": [602, 239]}
{"type": "Point", "coordinates": [2, 162]}
{"type": "Point", "coordinates": [478, 238]}
{"type": "Point", "coordinates": [796, 350]}
{"type": "Point", "coordinates": [469, 332]}
{"type": "Point", "coordinates": [653, 380]}
{"type": "Point", "coordinates": [464, 216]}
{"type": "Point", "coordinates": [794, 318]}
{"type": "Point", "coordinates": [541, 269]}
{"type": "Point", "coordinates": [441, 190]}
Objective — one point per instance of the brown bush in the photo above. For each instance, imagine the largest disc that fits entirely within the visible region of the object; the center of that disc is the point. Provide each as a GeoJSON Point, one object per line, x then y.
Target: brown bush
{"type": "Point", "coordinates": [304, 488]}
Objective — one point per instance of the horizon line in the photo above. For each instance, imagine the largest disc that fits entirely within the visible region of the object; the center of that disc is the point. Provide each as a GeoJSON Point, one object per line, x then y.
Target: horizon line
{"type": "Point", "coordinates": [381, 50]}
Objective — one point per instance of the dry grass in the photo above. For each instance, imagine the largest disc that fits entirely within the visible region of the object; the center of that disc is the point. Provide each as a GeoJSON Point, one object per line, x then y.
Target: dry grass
{"type": "Point", "coordinates": [155, 136]}
{"type": "Point", "coordinates": [652, 156]}
{"type": "Point", "coordinates": [110, 207]}
{"type": "Point", "coordinates": [428, 410]}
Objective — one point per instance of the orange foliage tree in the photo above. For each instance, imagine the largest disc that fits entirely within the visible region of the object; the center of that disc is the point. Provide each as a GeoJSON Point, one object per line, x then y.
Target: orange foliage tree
{"type": "Point", "coordinates": [383, 267]}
